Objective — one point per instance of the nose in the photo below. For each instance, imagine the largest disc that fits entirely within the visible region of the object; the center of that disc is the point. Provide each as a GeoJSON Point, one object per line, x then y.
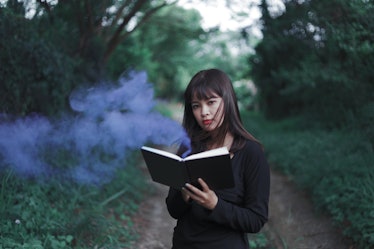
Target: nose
{"type": "Point", "coordinates": [204, 110]}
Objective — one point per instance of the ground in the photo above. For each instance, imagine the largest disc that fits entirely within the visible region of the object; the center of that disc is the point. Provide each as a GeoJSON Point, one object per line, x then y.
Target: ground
{"type": "Point", "coordinates": [293, 222]}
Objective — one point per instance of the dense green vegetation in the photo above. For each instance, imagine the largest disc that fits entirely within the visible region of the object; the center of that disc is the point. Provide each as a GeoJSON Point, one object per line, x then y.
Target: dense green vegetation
{"type": "Point", "coordinates": [64, 215]}
{"type": "Point", "coordinates": [312, 69]}
{"type": "Point", "coordinates": [315, 60]}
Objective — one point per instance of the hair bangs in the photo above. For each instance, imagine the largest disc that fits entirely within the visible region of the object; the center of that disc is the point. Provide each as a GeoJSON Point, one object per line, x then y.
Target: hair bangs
{"type": "Point", "coordinates": [205, 91]}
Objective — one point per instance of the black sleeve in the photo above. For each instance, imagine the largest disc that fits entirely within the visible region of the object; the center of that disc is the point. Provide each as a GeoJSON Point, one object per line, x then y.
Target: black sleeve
{"type": "Point", "coordinates": [253, 214]}
{"type": "Point", "coordinates": [175, 204]}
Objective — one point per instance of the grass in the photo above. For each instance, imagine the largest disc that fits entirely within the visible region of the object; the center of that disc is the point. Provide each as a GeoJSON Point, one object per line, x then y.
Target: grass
{"type": "Point", "coordinates": [55, 215]}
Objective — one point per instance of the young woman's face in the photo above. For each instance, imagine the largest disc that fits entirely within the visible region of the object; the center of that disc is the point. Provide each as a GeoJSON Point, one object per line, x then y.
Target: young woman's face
{"type": "Point", "coordinates": [208, 112]}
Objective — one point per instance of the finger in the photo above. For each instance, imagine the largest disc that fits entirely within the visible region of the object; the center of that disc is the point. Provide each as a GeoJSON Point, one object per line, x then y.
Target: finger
{"type": "Point", "coordinates": [186, 195]}
{"type": "Point", "coordinates": [187, 191]}
{"type": "Point", "coordinates": [203, 184]}
{"type": "Point", "coordinates": [194, 192]}
{"type": "Point", "coordinates": [192, 188]}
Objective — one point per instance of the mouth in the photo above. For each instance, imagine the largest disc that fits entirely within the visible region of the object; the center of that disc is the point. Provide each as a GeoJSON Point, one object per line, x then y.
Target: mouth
{"type": "Point", "coordinates": [207, 122]}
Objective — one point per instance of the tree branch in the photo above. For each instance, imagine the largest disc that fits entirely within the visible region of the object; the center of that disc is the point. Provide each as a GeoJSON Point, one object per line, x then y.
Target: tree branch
{"type": "Point", "coordinates": [118, 36]}
{"type": "Point", "coordinates": [119, 13]}
{"type": "Point", "coordinates": [146, 16]}
{"type": "Point", "coordinates": [45, 5]}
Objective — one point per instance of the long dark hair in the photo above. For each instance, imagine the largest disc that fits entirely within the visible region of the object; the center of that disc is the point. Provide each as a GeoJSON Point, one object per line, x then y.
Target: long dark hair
{"type": "Point", "coordinates": [202, 85]}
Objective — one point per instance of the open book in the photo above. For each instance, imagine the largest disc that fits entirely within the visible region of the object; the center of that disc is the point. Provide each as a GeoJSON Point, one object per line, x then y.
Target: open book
{"type": "Point", "coordinates": [213, 166]}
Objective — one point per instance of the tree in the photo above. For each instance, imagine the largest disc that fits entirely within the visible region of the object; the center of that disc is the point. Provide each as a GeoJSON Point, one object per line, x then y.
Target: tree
{"type": "Point", "coordinates": [87, 41]}
{"type": "Point", "coordinates": [92, 30]}
{"type": "Point", "coordinates": [314, 61]}
{"type": "Point", "coordinates": [65, 43]}
{"type": "Point", "coordinates": [171, 39]}
{"type": "Point", "coordinates": [173, 46]}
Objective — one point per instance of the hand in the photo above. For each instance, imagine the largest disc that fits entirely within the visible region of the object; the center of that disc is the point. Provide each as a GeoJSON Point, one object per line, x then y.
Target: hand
{"type": "Point", "coordinates": [205, 197]}
{"type": "Point", "coordinates": [185, 195]}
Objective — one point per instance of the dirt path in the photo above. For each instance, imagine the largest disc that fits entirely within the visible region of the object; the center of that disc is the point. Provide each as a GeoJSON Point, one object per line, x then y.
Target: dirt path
{"type": "Point", "coordinates": [153, 222]}
{"type": "Point", "coordinates": [293, 224]}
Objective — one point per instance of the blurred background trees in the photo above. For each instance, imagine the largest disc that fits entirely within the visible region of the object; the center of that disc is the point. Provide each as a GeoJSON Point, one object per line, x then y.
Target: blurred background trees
{"type": "Point", "coordinates": [51, 47]}
{"type": "Point", "coordinates": [315, 60]}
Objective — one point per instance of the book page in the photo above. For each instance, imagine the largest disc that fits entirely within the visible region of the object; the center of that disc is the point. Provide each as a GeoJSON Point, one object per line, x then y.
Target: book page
{"type": "Point", "coordinates": [208, 153]}
{"type": "Point", "coordinates": [162, 153]}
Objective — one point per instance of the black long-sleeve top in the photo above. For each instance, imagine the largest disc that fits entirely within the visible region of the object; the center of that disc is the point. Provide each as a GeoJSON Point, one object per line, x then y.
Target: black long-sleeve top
{"type": "Point", "coordinates": [240, 210]}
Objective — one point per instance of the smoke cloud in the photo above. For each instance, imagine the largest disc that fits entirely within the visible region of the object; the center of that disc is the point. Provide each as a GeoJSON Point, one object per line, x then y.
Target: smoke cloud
{"type": "Point", "coordinates": [110, 121]}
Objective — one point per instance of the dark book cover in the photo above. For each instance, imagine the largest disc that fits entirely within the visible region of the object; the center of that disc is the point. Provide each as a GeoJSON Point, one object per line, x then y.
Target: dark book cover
{"type": "Point", "coordinates": [214, 167]}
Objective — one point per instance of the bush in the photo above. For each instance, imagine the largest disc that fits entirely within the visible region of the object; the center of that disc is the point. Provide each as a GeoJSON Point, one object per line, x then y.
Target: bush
{"type": "Point", "coordinates": [37, 76]}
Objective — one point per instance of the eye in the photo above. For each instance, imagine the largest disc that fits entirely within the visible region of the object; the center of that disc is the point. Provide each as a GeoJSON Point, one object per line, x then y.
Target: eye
{"type": "Point", "coordinates": [194, 106]}
{"type": "Point", "coordinates": [212, 101]}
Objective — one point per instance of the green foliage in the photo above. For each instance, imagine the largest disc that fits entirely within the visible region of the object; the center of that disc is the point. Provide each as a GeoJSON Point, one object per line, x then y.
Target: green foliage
{"type": "Point", "coordinates": [55, 215]}
{"type": "Point", "coordinates": [76, 28]}
{"type": "Point", "coordinates": [315, 59]}
{"type": "Point", "coordinates": [244, 94]}
{"type": "Point", "coordinates": [161, 47]}
{"type": "Point", "coordinates": [46, 55]}
{"type": "Point", "coordinates": [65, 44]}
{"type": "Point", "coordinates": [98, 31]}
{"type": "Point", "coordinates": [173, 46]}
{"type": "Point", "coordinates": [336, 167]}
{"type": "Point", "coordinates": [35, 76]}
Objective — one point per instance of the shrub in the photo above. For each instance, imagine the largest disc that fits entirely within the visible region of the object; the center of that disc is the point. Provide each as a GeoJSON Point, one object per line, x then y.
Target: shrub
{"type": "Point", "coordinates": [37, 76]}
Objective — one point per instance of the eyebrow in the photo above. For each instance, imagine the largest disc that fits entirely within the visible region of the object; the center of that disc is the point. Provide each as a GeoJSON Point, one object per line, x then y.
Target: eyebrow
{"type": "Point", "coordinates": [199, 100]}
{"type": "Point", "coordinates": [209, 97]}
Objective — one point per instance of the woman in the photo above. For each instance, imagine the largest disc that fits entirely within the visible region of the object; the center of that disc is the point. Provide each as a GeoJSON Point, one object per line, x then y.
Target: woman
{"type": "Point", "coordinates": [219, 219]}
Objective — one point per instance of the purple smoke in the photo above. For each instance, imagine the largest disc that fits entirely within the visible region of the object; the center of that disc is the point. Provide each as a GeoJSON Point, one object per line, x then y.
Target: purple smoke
{"type": "Point", "coordinates": [110, 122]}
